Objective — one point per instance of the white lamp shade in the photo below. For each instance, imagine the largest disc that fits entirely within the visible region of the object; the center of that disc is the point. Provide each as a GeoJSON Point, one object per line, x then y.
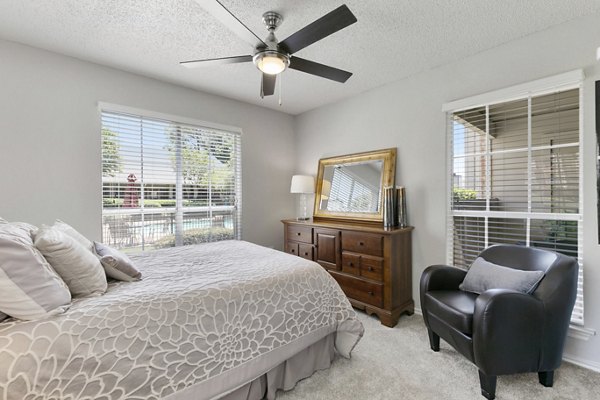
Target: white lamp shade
{"type": "Point", "coordinates": [271, 65]}
{"type": "Point", "coordinates": [302, 184]}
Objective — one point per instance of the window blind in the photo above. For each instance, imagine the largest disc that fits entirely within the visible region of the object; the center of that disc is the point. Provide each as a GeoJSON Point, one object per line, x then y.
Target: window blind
{"type": "Point", "coordinates": [167, 183]}
{"type": "Point", "coordinates": [515, 177]}
{"type": "Point", "coordinates": [349, 192]}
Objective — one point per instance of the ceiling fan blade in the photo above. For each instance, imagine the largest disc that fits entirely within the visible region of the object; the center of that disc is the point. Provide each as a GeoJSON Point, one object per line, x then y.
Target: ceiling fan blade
{"type": "Point", "coordinates": [218, 10]}
{"type": "Point", "coordinates": [324, 71]}
{"type": "Point", "coordinates": [338, 19]}
{"type": "Point", "coordinates": [215, 61]}
{"type": "Point", "coordinates": [268, 84]}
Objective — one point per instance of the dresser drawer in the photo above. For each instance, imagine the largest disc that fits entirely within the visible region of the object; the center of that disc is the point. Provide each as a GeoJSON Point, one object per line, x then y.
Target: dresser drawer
{"type": "Point", "coordinates": [300, 233]}
{"type": "Point", "coordinates": [292, 248]}
{"type": "Point", "coordinates": [362, 243]}
{"type": "Point", "coordinates": [371, 268]}
{"type": "Point", "coordinates": [359, 289]}
{"type": "Point", "coordinates": [305, 251]}
{"type": "Point", "coordinates": [351, 263]}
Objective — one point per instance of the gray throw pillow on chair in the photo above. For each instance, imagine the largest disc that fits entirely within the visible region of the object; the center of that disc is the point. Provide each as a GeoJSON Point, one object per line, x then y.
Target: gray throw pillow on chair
{"type": "Point", "coordinates": [484, 275]}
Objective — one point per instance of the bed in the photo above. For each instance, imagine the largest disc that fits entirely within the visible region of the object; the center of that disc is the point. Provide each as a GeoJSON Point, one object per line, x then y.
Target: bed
{"type": "Point", "coordinates": [229, 320]}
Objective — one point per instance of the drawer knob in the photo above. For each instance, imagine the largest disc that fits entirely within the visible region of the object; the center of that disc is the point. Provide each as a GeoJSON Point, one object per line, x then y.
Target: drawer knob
{"type": "Point", "coordinates": [371, 293]}
{"type": "Point", "coordinates": [293, 251]}
{"type": "Point", "coordinates": [361, 243]}
{"type": "Point", "coordinates": [370, 268]}
{"type": "Point", "coordinates": [305, 253]}
{"type": "Point", "coordinates": [350, 264]}
{"type": "Point", "coordinates": [299, 233]}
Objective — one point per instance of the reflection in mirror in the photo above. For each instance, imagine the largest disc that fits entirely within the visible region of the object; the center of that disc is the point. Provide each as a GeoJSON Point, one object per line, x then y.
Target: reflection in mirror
{"type": "Point", "coordinates": [352, 187]}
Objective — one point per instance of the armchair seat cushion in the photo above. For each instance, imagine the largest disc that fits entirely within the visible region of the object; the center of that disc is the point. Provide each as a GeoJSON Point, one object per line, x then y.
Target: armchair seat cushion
{"type": "Point", "coordinates": [454, 307]}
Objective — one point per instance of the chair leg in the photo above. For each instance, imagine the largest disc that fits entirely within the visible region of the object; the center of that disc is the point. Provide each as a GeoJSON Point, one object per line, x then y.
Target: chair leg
{"type": "Point", "coordinates": [488, 385]}
{"type": "Point", "coordinates": [546, 378]}
{"type": "Point", "coordinates": [434, 340]}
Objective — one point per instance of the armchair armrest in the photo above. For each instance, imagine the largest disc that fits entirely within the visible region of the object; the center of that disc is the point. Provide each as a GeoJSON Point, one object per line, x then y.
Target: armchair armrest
{"type": "Point", "coordinates": [507, 332]}
{"type": "Point", "coordinates": [438, 277]}
{"type": "Point", "coordinates": [441, 277]}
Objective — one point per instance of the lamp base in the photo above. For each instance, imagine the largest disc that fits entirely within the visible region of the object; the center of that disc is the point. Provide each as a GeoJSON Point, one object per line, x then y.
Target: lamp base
{"type": "Point", "coordinates": [302, 214]}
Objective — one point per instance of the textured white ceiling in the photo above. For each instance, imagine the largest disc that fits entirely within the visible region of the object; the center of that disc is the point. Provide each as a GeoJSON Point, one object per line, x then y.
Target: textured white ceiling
{"type": "Point", "coordinates": [391, 40]}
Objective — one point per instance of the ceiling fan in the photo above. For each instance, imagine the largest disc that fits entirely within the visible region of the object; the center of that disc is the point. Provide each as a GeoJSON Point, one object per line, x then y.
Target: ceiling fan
{"type": "Point", "coordinates": [272, 57]}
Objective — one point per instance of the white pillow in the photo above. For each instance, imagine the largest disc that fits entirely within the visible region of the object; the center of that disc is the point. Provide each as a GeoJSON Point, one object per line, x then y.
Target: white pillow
{"type": "Point", "coordinates": [29, 287]}
{"type": "Point", "coordinates": [69, 230]}
{"type": "Point", "coordinates": [79, 268]}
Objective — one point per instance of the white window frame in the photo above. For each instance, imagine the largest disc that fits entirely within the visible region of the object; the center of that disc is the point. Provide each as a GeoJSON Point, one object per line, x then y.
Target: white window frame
{"type": "Point", "coordinates": [562, 82]}
{"type": "Point", "coordinates": [118, 108]}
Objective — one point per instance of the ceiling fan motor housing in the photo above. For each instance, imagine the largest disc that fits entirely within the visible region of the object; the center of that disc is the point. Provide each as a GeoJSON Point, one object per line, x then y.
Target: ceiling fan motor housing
{"type": "Point", "coordinates": [278, 60]}
{"type": "Point", "coordinates": [272, 20]}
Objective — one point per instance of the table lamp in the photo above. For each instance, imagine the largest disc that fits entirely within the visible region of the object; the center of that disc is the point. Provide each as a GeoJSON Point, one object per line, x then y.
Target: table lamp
{"type": "Point", "coordinates": [303, 184]}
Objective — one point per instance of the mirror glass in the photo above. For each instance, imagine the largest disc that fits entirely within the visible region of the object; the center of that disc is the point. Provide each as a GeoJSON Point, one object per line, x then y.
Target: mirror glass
{"type": "Point", "coordinates": [350, 187]}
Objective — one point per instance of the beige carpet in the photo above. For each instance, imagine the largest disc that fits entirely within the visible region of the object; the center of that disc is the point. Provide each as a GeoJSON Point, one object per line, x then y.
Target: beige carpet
{"type": "Point", "coordinates": [398, 364]}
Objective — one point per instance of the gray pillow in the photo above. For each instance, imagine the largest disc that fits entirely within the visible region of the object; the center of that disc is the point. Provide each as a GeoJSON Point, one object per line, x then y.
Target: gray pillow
{"type": "Point", "coordinates": [484, 275]}
{"type": "Point", "coordinates": [116, 264]}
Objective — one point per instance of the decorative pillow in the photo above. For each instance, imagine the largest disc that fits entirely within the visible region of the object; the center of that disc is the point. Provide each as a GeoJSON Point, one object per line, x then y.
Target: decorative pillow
{"type": "Point", "coordinates": [79, 268]}
{"type": "Point", "coordinates": [30, 288]}
{"type": "Point", "coordinates": [484, 275]}
{"type": "Point", "coordinates": [70, 231]}
{"type": "Point", "coordinates": [116, 264]}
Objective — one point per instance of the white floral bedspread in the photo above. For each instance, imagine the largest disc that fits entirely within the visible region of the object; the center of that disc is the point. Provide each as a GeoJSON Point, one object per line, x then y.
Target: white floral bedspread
{"type": "Point", "coordinates": [211, 316]}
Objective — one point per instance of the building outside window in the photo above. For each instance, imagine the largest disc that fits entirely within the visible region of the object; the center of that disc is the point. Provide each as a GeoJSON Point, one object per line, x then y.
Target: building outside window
{"type": "Point", "coordinates": [515, 176]}
{"type": "Point", "coordinates": [167, 183]}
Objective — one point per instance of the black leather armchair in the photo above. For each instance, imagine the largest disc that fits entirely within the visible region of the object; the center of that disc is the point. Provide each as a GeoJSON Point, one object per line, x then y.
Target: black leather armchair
{"type": "Point", "coordinates": [503, 331]}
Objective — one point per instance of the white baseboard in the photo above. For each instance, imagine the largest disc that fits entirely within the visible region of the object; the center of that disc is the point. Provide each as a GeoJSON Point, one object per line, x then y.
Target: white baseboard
{"type": "Point", "coordinates": [593, 365]}
{"type": "Point", "coordinates": [588, 364]}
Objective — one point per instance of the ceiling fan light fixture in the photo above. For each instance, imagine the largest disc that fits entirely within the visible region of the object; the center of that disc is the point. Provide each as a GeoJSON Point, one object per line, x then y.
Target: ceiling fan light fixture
{"type": "Point", "coordinates": [271, 62]}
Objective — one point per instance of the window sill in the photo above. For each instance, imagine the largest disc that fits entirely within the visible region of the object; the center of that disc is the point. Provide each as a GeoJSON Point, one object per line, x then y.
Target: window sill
{"type": "Point", "coordinates": [581, 333]}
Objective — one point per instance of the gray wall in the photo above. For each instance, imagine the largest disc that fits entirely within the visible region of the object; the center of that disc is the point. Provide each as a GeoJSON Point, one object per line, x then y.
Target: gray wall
{"type": "Point", "coordinates": [407, 115]}
{"type": "Point", "coordinates": [50, 141]}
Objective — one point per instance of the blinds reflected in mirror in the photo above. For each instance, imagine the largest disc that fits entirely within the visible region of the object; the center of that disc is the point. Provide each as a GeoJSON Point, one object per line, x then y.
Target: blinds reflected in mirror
{"type": "Point", "coordinates": [354, 187]}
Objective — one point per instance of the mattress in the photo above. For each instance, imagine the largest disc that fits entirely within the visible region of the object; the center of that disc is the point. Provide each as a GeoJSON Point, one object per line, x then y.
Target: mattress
{"type": "Point", "coordinates": [205, 320]}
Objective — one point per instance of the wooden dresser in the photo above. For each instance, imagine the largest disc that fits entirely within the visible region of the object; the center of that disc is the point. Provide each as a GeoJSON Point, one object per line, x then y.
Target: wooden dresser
{"type": "Point", "coordinates": [372, 264]}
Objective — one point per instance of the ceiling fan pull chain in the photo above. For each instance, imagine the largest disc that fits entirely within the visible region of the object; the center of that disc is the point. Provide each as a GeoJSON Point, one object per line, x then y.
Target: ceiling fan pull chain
{"type": "Point", "coordinates": [280, 79]}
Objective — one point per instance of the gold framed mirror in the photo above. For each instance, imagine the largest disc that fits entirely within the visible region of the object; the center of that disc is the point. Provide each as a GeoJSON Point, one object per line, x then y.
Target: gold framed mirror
{"type": "Point", "coordinates": [350, 187]}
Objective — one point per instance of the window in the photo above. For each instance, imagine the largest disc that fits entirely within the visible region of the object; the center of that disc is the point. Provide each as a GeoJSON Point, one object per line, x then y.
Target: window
{"type": "Point", "coordinates": [515, 177]}
{"type": "Point", "coordinates": [166, 183]}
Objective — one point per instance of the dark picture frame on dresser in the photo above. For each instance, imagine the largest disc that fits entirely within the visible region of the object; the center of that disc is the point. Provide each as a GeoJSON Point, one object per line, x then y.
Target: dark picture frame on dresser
{"type": "Point", "coordinates": [372, 264]}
